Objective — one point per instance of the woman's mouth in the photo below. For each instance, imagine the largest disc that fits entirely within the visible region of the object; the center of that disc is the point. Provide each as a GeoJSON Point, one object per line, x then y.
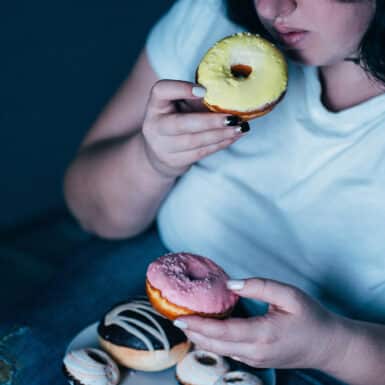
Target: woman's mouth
{"type": "Point", "coordinates": [291, 37]}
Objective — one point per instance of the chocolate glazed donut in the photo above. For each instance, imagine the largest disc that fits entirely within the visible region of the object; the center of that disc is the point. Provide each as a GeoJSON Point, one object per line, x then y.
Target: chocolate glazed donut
{"type": "Point", "coordinates": [138, 337]}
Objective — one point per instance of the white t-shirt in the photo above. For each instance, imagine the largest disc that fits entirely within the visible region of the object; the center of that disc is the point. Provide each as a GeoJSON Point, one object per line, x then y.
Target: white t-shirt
{"type": "Point", "coordinates": [300, 198]}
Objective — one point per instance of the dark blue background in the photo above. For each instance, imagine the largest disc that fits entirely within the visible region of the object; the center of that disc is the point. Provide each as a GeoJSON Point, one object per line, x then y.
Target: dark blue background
{"type": "Point", "coordinates": [60, 61]}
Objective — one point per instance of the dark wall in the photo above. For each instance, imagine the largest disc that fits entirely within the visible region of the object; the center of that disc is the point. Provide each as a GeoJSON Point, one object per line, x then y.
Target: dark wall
{"type": "Point", "coordinates": [59, 64]}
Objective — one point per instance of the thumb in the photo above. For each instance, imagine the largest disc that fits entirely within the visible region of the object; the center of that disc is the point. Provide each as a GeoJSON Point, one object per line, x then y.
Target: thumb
{"type": "Point", "coordinates": [284, 296]}
{"type": "Point", "coordinates": [165, 92]}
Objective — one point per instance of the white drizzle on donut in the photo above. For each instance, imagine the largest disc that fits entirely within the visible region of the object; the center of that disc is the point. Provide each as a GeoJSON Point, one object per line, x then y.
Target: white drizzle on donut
{"type": "Point", "coordinates": [91, 367]}
{"type": "Point", "coordinates": [132, 325]}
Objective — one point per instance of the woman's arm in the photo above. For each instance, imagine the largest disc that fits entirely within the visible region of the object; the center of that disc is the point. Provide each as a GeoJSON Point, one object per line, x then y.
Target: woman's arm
{"type": "Point", "coordinates": [137, 148]}
{"type": "Point", "coordinates": [99, 183]}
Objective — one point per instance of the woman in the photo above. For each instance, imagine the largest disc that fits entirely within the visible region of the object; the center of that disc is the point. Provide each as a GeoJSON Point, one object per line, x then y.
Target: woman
{"type": "Point", "coordinates": [297, 201]}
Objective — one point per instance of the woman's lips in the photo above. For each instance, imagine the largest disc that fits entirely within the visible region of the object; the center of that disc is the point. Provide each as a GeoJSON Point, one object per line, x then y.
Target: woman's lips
{"type": "Point", "coordinates": [292, 38]}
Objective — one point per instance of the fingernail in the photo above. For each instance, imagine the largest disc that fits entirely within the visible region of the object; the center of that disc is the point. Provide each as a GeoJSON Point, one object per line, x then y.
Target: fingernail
{"type": "Point", "coordinates": [198, 91]}
{"type": "Point", "coordinates": [235, 284]}
{"type": "Point", "coordinates": [180, 324]}
{"type": "Point", "coordinates": [232, 120]}
{"type": "Point", "coordinates": [245, 127]}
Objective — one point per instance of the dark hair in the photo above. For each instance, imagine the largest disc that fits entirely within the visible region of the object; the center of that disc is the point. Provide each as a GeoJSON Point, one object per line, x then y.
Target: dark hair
{"type": "Point", "coordinates": [372, 49]}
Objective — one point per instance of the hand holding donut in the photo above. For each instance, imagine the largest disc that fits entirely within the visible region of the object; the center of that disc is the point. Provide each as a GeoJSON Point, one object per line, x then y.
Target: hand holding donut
{"type": "Point", "coordinates": [175, 140]}
{"type": "Point", "coordinates": [295, 332]}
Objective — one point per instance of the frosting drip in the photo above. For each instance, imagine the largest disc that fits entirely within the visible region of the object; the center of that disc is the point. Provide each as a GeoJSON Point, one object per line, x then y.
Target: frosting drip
{"type": "Point", "coordinates": [91, 367]}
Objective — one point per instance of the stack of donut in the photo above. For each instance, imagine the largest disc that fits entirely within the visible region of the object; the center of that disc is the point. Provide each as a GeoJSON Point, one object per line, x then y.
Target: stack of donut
{"type": "Point", "coordinates": [135, 335]}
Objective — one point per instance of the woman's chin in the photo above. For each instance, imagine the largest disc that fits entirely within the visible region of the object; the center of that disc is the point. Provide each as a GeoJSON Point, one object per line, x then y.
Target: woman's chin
{"type": "Point", "coordinates": [305, 58]}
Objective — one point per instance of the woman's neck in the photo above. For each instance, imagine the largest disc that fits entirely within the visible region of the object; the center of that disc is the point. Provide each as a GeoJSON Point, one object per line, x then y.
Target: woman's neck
{"type": "Point", "coordinates": [346, 84]}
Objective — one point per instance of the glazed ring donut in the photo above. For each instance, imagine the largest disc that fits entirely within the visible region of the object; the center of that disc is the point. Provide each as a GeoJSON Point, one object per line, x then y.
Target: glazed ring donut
{"type": "Point", "coordinates": [90, 366]}
{"type": "Point", "coordinates": [201, 367]}
{"type": "Point", "coordinates": [244, 75]}
{"type": "Point", "coordinates": [138, 337]}
{"type": "Point", "coordinates": [240, 378]}
{"type": "Point", "coordinates": [180, 284]}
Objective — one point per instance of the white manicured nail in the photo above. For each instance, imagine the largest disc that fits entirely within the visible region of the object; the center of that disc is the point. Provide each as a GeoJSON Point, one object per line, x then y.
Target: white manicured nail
{"type": "Point", "coordinates": [238, 130]}
{"type": "Point", "coordinates": [200, 92]}
{"type": "Point", "coordinates": [235, 284]}
{"type": "Point", "coordinates": [243, 128]}
{"type": "Point", "coordinates": [180, 324]}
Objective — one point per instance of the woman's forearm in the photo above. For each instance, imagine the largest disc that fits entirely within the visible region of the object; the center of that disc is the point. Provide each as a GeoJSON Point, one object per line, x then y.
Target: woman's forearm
{"type": "Point", "coordinates": [112, 189]}
{"type": "Point", "coordinates": [358, 353]}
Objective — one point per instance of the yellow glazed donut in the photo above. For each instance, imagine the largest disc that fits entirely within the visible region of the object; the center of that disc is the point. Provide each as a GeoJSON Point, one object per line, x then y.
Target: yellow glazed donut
{"type": "Point", "coordinates": [244, 75]}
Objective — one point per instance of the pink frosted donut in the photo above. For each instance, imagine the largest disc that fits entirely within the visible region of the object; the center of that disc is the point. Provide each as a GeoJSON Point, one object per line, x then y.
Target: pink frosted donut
{"type": "Point", "coordinates": [184, 284]}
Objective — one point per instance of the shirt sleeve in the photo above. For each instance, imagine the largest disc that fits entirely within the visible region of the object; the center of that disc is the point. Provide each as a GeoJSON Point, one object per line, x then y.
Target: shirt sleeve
{"type": "Point", "coordinates": [173, 42]}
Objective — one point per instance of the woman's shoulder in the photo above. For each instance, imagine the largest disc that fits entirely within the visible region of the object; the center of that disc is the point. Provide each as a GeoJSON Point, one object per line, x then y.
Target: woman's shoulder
{"type": "Point", "coordinates": [216, 5]}
{"type": "Point", "coordinates": [180, 39]}
{"type": "Point", "coordinates": [193, 13]}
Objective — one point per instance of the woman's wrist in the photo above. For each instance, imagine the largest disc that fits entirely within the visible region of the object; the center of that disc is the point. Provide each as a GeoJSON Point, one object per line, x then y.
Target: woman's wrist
{"type": "Point", "coordinates": [337, 341]}
{"type": "Point", "coordinates": [358, 354]}
{"type": "Point", "coordinates": [344, 341]}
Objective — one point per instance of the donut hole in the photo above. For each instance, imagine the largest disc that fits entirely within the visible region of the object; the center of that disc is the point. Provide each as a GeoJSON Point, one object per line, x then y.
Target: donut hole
{"type": "Point", "coordinates": [205, 359]}
{"type": "Point", "coordinates": [196, 272]}
{"type": "Point", "coordinates": [96, 357]}
{"type": "Point", "coordinates": [195, 277]}
{"type": "Point", "coordinates": [233, 380]}
{"type": "Point", "coordinates": [241, 71]}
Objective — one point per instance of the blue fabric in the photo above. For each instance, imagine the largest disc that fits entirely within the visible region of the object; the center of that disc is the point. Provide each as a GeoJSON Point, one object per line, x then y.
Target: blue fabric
{"type": "Point", "coordinates": [77, 286]}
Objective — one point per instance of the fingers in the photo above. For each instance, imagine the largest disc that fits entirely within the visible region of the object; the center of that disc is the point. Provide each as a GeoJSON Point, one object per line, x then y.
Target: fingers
{"type": "Point", "coordinates": [192, 156]}
{"type": "Point", "coordinates": [285, 297]}
{"type": "Point", "coordinates": [223, 348]}
{"type": "Point", "coordinates": [233, 329]}
{"type": "Point", "coordinates": [183, 132]}
{"type": "Point", "coordinates": [259, 329]}
{"type": "Point", "coordinates": [176, 163]}
{"type": "Point", "coordinates": [165, 92]}
{"type": "Point", "coordinates": [188, 123]}
{"type": "Point", "coordinates": [250, 341]}
{"type": "Point", "coordinates": [175, 140]}
{"type": "Point", "coordinates": [194, 141]}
